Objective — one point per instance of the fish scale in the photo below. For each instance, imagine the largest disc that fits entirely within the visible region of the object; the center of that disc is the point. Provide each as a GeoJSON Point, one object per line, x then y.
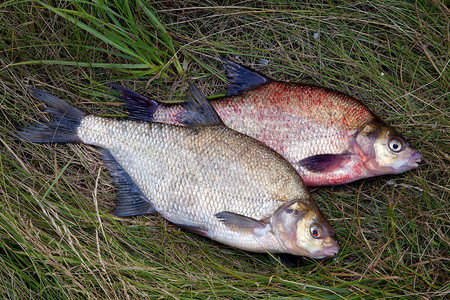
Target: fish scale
{"type": "Point", "coordinates": [205, 177]}
{"type": "Point", "coordinates": [316, 122]}
{"type": "Point", "coordinates": [177, 162]}
{"type": "Point", "coordinates": [316, 129]}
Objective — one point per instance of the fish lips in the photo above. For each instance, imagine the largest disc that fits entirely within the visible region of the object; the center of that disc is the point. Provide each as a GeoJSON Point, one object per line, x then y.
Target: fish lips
{"type": "Point", "coordinates": [411, 163]}
{"type": "Point", "coordinates": [414, 161]}
{"type": "Point", "coordinates": [328, 252]}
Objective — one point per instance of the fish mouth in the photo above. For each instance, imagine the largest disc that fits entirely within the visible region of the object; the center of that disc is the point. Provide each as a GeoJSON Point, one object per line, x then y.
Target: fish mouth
{"type": "Point", "coordinates": [414, 161]}
{"type": "Point", "coordinates": [328, 252]}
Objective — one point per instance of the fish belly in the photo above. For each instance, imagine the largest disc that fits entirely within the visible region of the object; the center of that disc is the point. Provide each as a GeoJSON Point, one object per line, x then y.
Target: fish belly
{"type": "Point", "coordinates": [190, 174]}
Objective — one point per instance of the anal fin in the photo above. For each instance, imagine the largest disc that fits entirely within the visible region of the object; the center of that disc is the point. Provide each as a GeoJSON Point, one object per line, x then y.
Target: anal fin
{"type": "Point", "coordinates": [132, 202]}
{"type": "Point", "coordinates": [243, 224]}
{"type": "Point", "coordinates": [322, 163]}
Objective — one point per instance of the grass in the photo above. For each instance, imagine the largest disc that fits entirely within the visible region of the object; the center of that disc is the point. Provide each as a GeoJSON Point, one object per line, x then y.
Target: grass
{"type": "Point", "coordinates": [57, 238]}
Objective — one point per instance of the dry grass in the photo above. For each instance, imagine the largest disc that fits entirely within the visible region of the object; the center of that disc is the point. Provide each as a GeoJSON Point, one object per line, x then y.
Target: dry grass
{"type": "Point", "coordinates": [57, 238]}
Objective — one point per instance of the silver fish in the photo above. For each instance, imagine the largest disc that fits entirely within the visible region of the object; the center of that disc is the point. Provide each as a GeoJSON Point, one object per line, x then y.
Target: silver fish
{"type": "Point", "coordinates": [330, 138]}
{"type": "Point", "coordinates": [205, 178]}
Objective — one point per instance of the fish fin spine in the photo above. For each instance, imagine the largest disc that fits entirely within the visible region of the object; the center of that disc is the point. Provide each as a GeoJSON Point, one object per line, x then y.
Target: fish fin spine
{"type": "Point", "coordinates": [242, 79]}
{"type": "Point", "coordinates": [63, 128]}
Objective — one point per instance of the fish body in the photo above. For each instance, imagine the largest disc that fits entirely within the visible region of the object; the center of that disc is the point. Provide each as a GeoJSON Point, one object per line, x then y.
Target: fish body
{"type": "Point", "coordinates": [329, 137]}
{"type": "Point", "coordinates": [206, 178]}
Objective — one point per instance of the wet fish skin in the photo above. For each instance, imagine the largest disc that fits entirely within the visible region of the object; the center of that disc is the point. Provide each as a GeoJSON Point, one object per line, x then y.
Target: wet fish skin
{"type": "Point", "coordinates": [321, 132]}
{"type": "Point", "coordinates": [206, 178]}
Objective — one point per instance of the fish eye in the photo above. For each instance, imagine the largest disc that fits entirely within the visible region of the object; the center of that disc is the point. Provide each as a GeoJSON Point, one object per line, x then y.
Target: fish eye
{"type": "Point", "coordinates": [395, 145]}
{"type": "Point", "coordinates": [316, 231]}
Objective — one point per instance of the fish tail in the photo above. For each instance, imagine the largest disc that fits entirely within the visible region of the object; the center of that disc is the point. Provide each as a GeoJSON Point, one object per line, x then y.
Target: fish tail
{"type": "Point", "coordinates": [242, 79]}
{"type": "Point", "coordinates": [63, 128]}
{"type": "Point", "coordinates": [140, 107]}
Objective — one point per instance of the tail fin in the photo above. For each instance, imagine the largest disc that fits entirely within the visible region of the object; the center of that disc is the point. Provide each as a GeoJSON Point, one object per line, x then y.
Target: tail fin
{"type": "Point", "coordinates": [140, 107]}
{"type": "Point", "coordinates": [63, 129]}
{"type": "Point", "coordinates": [242, 79]}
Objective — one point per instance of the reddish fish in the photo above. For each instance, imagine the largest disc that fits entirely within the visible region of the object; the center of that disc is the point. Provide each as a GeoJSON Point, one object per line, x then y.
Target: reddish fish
{"type": "Point", "coordinates": [329, 137]}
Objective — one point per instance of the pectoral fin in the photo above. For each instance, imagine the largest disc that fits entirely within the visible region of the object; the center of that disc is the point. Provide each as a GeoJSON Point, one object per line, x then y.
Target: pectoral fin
{"type": "Point", "coordinates": [325, 162]}
{"type": "Point", "coordinates": [243, 224]}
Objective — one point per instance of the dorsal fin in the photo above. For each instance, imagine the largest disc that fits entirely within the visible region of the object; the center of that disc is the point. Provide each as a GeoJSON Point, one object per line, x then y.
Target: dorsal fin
{"type": "Point", "coordinates": [242, 79]}
{"type": "Point", "coordinates": [198, 110]}
{"type": "Point", "coordinates": [140, 107]}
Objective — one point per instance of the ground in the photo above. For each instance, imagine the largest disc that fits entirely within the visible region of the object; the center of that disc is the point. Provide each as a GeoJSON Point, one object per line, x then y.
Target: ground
{"type": "Point", "coordinates": [57, 237]}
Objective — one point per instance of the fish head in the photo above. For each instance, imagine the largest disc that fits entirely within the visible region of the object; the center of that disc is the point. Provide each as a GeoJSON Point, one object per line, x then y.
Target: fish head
{"type": "Point", "coordinates": [303, 230]}
{"type": "Point", "coordinates": [383, 150]}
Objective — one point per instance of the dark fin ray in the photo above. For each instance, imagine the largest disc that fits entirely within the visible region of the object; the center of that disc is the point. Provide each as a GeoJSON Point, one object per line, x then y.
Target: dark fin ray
{"type": "Point", "coordinates": [194, 229]}
{"type": "Point", "coordinates": [242, 79]}
{"type": "Point", "coordinates": [140, 107]}
{"type": "Point", "coordinates": [198, 110]}
{"type": "Point", "coordinates": [63, 128]}
{"type": "Point", "coordinates": [240, 223]}
{"type": "Point", "coordinates": [132, 202]}
{"type": "Point", "coordinates": [325, 162]}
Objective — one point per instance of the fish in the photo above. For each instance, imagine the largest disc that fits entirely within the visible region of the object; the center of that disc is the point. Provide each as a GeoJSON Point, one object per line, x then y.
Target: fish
{"type": "Point", "coordinates": [202, 177]}
{"type": "Point", "coordinates": [329, 137]}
